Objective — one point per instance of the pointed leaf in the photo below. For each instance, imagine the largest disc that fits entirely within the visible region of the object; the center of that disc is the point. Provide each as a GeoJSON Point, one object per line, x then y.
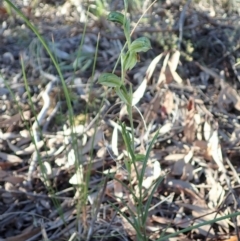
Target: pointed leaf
{"type": "Point", "coordinates": [140, 45]}
{"type": "Point", "coordinates": [130, 60]}
{"type": "Point", "coordinates": [123, 95]}
{"type": "Point", "coordinates": [116, 17]}
{"type": "Point", "coordinates": [110, 80]}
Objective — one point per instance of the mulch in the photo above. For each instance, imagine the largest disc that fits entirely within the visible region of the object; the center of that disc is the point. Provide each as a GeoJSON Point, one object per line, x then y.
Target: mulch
{"type": "Point", "coordinates": [186, 87]}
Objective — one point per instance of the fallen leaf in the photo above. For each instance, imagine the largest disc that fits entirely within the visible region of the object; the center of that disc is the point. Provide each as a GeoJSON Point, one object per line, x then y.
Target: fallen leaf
{"type": "Point", "coordinates": [165, 75]}
{"type": "Point", "coordinates": [26, 234]}
{"type": "Point", "coordinates": [11, 159]}
{"type": "Point", "coordinates": [190, 125]}
{"type": "Point", "coordinates": [168, 101]}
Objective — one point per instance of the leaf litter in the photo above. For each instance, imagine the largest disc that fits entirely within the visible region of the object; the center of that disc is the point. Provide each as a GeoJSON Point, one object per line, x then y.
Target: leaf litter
{"type": "Point", "coordinates": [193, 104]}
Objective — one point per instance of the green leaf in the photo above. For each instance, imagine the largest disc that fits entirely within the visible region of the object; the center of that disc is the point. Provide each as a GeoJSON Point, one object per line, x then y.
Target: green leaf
{"type": "Point", "coordinates": [140, 45]}
{"type": "Point", "coordinates": [116, 17]}
{"type": "Point", "coordinates": [128, 141]}
{"type": "Point", "coordinates": [123, 95]}
{"type": "Point", "coordinates": [110, 80]}
{"type": "Point", "coordinates": [130, 60]}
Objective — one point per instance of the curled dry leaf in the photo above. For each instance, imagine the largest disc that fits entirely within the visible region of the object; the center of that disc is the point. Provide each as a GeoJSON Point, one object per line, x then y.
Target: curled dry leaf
{"type": "Point", "coordinates": [174, 75]}
{"type": "Point", "coordinates": [152, 66]}
{"type": "Point", "coordinates": [168, 71]}
{"type": "Point", "coordinates": [174, 60]}
{"type": "Point", "coordinates": [190, 125]}
{"type": "Point", "coordinates": [139, 92]}
{"type": "Point", "coordinates": [168, 101]}
{"type": "Point", "coordinates": [165, 75]}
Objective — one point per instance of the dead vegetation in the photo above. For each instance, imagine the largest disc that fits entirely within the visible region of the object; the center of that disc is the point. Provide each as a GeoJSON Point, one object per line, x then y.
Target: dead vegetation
{"type": "Point", "coordinates": [187, 87]}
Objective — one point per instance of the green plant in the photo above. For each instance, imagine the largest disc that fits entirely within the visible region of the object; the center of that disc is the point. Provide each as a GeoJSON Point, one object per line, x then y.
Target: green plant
{"type": "Point", "coordinates": [128, 60]}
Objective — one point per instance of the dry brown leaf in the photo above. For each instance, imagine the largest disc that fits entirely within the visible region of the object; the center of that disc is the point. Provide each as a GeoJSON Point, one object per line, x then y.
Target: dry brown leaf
{"type": "Point", "coordinates": [174, 60]}
{"type": "Point", "coordinates": [139, 92]}
{"type": "Point", "coordinates": [215, 150]}
{"type": "Point", "coordinates": [152, 66]}
{"type": "Point", "coordinates": [28, 150]}
{"type": "Point", "coordinates": [129, 229]}
{"type": "Point", "coordinates": [162, 220]}
{"type": "Point", "coordinates": [168, 101]}
{"type": "Point", "coordinates": [26, 234]}
{"type": "Point", "coordinates": [168, 72]}
{"type": "Point", "coordinates": [190, 125]}
{"type": "Point", "coordinates": [14, 120]}
{"type": "Point", "coordinates": [200, 209]}
{"type": "Point", "coordinates": [183, 186]}
{"type": "Point", "coordinates": [165, 75]}
{"type": "Point", "coordinates": [11, 159]}
{"type": "Point", "coordinates": [174, 75]}
{"type": "Point", "coordinates": [174, 157]}
{"type": "Point", "coordinates": [14, 179]}
{"type": "Point", "coordinates": [204, 149]}
{"type": "Point", "coordinates": [151, 109]}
